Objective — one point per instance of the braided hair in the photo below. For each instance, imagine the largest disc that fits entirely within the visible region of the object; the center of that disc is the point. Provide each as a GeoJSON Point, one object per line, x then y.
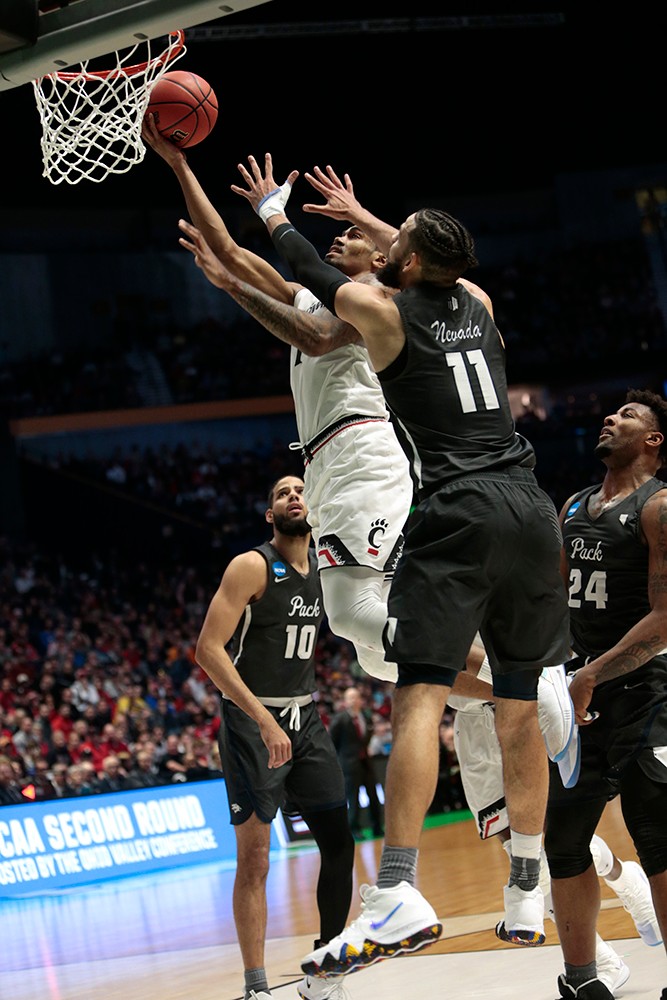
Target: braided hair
{"type": "Point", "coordinates": [444, 245]}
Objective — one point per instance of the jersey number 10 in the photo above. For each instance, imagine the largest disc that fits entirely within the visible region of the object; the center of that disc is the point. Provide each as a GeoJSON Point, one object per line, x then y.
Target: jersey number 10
{"type": "Point", "coordinates": [300, 641]}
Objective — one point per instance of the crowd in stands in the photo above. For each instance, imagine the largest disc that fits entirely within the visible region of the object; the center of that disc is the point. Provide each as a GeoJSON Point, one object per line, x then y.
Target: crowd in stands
{"type": "Point", "coordinates": [99, 687]}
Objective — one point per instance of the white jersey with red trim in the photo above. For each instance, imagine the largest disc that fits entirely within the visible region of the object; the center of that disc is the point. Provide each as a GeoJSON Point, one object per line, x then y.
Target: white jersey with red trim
{"type": "Point", "coordinates": [329, 388]}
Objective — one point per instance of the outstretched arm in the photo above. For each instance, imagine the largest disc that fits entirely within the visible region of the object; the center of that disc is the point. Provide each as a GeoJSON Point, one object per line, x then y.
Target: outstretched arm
{"type": "Point", "coordinates": [244, 581]}
{"type": "Point", "coordinates": [245, 264]}
{"type": "Point", "coordinates": [363, 306]}
{"type": "Point", "coordinates": [312, 334]}
{"type": "Point", "coordinates": [342, 204]}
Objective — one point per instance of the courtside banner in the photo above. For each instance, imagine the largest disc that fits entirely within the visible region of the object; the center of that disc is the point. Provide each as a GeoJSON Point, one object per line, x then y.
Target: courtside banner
{"type": "Point", "coordinates": [47, 846]}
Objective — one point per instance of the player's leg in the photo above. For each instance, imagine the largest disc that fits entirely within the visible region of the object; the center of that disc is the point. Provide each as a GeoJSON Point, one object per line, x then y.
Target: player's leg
{"type": "Point", "coordinates": [526, 789]}
{"type": "Point", "coordinates": [395, 917]}
{"type": "Point", "coordinates": [249, 900]}
{"type": "Point", "coordinates": [355, 600]}
{"type": "Point", "coordinates": [572, 817]}
{"type": "Point", "coordinates": [331, 832]}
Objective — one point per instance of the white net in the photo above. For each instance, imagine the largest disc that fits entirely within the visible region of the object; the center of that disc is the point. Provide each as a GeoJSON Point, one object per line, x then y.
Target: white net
{"type": "Point", "coordinates": [91, 119]}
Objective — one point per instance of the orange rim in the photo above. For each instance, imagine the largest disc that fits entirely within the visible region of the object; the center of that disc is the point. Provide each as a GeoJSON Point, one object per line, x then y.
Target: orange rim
{"type": "Point", "coordinates": [103, 74]}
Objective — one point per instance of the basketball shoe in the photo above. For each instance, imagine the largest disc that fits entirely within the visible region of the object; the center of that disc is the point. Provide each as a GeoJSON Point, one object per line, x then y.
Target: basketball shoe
{"type": "Point", "coordinates": [260, 996]}
{"type": "Point", "coordinates": [322, 988]}
{"type": "Point", "coordinates": [555, 712]}
{"type": "Point", "coordinates": [524, 917]}
{"type": "Point", "coordinates": [392, 922]}
{"type": "Point", "coordinates": [594, 989]}
{"type": "Point", "coordinates": [611, 969]}
{"type": "Point", "coordinates": [634, 891]}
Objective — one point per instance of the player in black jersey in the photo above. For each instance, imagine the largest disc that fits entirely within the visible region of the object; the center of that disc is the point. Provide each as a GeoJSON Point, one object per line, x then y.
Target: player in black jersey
{"type": "Point", "coordinates": [615, 570]}
{"type": "Point", "coordinates": [482, 554]}
{"type": "Point", "coordinates": [273, 745]}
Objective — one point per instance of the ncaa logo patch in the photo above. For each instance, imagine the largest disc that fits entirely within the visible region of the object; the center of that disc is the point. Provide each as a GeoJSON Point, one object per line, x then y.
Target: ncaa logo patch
{"type": "Point", "coordinates": [573, 508]}
{"type": "Point", "coordinates": [279, 571]}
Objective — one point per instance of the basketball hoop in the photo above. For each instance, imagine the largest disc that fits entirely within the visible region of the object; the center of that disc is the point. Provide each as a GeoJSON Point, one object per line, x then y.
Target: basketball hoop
{"type": "Point", "coordinates": [91, 119]}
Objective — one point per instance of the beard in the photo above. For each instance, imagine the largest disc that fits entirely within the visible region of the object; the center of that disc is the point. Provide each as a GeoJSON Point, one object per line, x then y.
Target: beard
{"type": "Point", "coordinates": [292, 527]}
{"type": "Point", "coordinates": [389, 274]}
{"type": "Point", "coordinates": [602, 449]}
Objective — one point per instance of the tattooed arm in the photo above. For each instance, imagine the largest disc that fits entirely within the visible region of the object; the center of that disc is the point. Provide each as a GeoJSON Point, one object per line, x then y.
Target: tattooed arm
{"type": "Point", "coordinates": [313, 335]}
{"type": "Point", "coordinates": [649, 636]}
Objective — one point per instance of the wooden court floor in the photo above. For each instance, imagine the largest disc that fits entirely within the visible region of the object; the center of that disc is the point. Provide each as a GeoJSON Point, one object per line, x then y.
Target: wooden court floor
{"type": "Point", "coordinates": [171, 936]}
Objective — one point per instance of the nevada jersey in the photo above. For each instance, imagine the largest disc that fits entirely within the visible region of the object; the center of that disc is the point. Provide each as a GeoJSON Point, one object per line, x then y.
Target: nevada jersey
{"type": "Point", "coordinates": [328, 388]}
{"type": "Point", "coordinates": [608, 569]}
{"type": "Point", "coordinates": [448, 391]}
{"type": "Point", "coordinates": [273, 647]}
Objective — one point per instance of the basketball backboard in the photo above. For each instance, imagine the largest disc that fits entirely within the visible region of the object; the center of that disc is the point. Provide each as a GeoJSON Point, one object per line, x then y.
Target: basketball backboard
{"type": "Point", "coordinates": [86, 29]}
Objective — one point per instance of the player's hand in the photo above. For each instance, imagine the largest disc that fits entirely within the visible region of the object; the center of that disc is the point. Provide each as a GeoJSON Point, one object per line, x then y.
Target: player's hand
{"type": "Point", "coordinates": [276, 741]}
{"type": "Point", "coordinates": [259, 186]}
{"type": "Point", "coordinates": [340, 200]}
{"type": "Point", "coordinates": [163, 147]}
{"type": "Point", "coordinates": [581, 692]}
{"type": "Point", "coordinates": [204, 257]}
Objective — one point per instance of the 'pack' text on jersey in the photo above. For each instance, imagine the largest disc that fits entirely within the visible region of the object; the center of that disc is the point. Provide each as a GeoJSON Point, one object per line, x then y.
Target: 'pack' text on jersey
{"type": "Point", "coordinates": [299, 608]}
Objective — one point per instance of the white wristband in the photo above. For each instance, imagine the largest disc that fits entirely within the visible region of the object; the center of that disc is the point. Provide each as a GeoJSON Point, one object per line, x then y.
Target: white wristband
{"type": "Point", "coordinates": [274, 202]}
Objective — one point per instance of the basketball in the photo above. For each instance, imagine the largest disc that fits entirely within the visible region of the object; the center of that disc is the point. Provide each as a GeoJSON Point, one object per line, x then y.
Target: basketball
{"type": "Point", "coordinates": [185, 107]}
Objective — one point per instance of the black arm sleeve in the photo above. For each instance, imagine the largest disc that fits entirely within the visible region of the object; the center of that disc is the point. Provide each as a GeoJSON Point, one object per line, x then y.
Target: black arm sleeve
{"type": "Point", "coordinates": [308, 268]}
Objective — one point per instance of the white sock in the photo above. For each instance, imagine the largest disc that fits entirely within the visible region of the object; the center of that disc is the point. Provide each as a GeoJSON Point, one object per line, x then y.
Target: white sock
{"type": "Point", "coordinates": [526, 845]}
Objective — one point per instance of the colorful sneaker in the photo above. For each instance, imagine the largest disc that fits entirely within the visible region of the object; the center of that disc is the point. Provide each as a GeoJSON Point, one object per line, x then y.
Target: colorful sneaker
{"type": "Point", "coordinates": [637, 900]}
{"type": "Point", "coordinates": [594, 989]}
{"type": "Point", "coordinates": [555, 711]}
{"type": "Point", "coordinates": [322, 988]}
{"type": "Point", "coordinates": [524, 917]}
{"type": "Point", "coordinates": [392, 922]}
{"type": "Point", "coordinates": [611, 969]}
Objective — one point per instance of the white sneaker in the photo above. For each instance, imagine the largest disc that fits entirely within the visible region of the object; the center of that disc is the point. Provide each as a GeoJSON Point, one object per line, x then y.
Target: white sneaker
{"type": "Point", "coordinates": [322, 988]}
{"type": "Point", "coordinates": [260, 996]}
{"type": "Point", "coordinates": [392, 922]}
{"type": "Point", "coordinates": [611, 969]}
{"type": "Point", "coordinates": [524, 917]}
{"type": "Point", "coordinates": [555, 711]}
{"type": "Point", "coordinates": [637, 900]}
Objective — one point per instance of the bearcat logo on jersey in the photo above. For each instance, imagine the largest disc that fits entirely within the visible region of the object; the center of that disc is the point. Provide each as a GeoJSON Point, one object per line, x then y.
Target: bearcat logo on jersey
{"type": "Point", "coordinates": [573, 509]}
{"type": "Point", "coordinates": [279, 571]}
{"type": "Point", "coordinates": [378, 528]}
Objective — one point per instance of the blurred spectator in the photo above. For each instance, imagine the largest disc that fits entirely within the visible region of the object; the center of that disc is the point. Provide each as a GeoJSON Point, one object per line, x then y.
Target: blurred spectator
{"type": "Point", "coordinates": [80, 781]}
{"type": "Point", "coordinates": [144, 774]}
{"type": "Point", "coordinates": [171, 766]}
{"type": "Point", "coordinates": [84, 691]}
{"type": "Point", "coordinates": [60, 752]}
{"type": "Point", "coordinates": [112, 777]}
{"type": "Point", "coordinates": [40, 780]}
{"type": "Point", "coordinates": [10, 789]}
{"type": "Point", "coordinates": [60, 781]}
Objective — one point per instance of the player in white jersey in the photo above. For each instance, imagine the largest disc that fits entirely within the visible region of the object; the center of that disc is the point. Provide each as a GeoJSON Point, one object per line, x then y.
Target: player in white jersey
{"type": "Point", "coordinates": [358, 487]}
